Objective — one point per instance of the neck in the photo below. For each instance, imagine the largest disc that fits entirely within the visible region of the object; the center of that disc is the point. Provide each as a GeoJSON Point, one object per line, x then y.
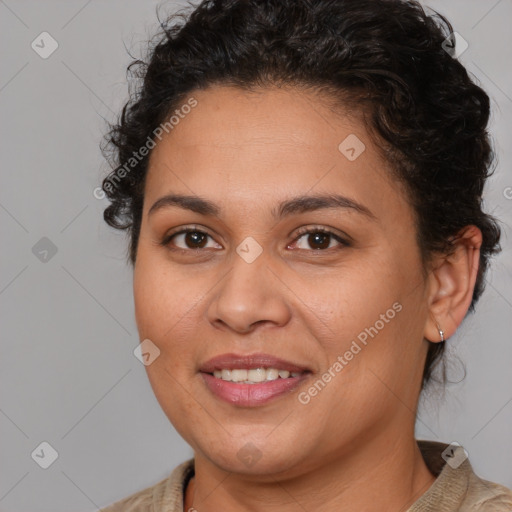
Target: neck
{"type": "Point", "coordinates": [386, 474]}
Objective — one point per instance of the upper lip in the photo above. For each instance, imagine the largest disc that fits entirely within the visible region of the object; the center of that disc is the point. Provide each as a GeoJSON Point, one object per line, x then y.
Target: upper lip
{"type": "Point", "coordinates": [247, 362]}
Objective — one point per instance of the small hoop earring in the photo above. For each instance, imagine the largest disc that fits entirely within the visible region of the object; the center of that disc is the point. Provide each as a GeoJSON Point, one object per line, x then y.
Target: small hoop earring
{"type": "Point", "coordinates": [441, 332]}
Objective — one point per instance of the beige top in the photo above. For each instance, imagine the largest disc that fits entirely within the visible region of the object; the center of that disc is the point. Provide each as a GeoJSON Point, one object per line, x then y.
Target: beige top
{"type": "Point", "coordinates": [456, 488]}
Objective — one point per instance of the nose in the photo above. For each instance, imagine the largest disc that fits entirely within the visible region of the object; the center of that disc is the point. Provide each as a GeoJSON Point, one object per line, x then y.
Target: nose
{"type": "Point", "coordinates": [250, 294]}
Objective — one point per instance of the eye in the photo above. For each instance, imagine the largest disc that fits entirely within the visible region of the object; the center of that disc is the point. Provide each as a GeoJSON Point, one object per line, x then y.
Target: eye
{"type": "Point", "coordinates": [319, 239]}
{"type": "Point", "coordinates": [191, 237]}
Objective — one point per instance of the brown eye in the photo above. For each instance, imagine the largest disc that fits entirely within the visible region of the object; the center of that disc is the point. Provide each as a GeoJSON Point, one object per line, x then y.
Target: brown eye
{"type": "Point", "coordinates": [319, 239]}
{"type": "Point", "coordinates": [187, 239]}
{"type": "Point", "coordinates": [195, 239]}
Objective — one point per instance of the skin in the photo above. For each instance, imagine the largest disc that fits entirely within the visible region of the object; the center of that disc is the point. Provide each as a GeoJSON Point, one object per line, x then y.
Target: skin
{"type": "Point", "coordinates": [352, 446]}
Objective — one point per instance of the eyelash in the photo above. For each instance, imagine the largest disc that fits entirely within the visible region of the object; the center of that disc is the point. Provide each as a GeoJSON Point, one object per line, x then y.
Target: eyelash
{"type": "Point", "coordinates": [303, 231]}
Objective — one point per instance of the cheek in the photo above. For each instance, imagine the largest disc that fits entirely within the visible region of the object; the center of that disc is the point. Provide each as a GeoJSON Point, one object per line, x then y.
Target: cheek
{"type": "Point", "coordinates": [161, 300]}
{"type": "Point", "coordinates": [357, 298]}
{"type": "Point", "coordinates": [164, 315]}
{"type": "Point", "coordinates": [375, 306]}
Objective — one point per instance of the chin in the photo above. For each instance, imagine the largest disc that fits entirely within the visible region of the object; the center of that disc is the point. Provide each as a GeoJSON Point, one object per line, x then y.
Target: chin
{"type": "Point", "coordinates": [258, 456]}
{"type": "Point", "coordinates": [254, 462]}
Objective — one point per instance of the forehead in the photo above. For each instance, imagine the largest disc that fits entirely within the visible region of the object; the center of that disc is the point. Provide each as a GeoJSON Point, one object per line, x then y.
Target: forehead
{"type": "Point", "coordinates": [236, 146]}
{"type": "Point", "coordinates": [289, 119]}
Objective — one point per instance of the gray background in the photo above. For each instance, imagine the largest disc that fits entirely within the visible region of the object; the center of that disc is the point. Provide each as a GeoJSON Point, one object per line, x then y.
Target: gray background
{"type": "Point", "coordinates": [68, 373]}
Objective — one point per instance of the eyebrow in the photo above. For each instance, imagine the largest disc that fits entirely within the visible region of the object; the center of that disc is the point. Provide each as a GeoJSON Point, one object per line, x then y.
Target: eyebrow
{"type": "Point", "coordinates": [296, 205]}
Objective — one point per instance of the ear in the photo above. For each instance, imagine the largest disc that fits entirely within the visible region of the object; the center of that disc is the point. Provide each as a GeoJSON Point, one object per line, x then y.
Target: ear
{"type": "Point", "coordinates": [451, 284]}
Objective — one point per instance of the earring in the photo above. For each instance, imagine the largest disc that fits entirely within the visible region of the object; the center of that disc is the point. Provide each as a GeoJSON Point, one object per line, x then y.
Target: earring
{"type": "Point", "coordinates": [441, 332]}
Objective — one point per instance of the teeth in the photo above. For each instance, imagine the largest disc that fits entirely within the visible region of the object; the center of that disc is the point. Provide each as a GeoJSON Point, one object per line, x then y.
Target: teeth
{"type": "Point", "coordinates": [238, 375]}
{"type": "Point", "coordinates": [257, 374]}
{"type": "Point", "coordinates": [272, 374]}
{"type": "Point", "coordinates": [254, 375]}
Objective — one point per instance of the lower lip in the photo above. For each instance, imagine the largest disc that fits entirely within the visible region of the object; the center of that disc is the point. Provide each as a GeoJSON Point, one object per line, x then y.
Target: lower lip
{"type": "Point", "coordinates": [251, 395]}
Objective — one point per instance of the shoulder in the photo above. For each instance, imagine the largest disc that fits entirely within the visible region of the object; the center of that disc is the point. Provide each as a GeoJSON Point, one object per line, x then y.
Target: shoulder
{"type": "Point", "coordinates": [140, 501]}
{"type": "Point", "coordinates": [457, 487]}
{"type": "Point", "coordinates": [166, 495]}
{"type": "Point", "coordinates": [485, 496]}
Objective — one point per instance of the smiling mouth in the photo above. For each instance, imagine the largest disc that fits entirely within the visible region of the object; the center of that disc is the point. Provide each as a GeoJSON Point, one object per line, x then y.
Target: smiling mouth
{"type": "Point", "coordinates": [254, 375]}
{"type": "Point", "coordinates": [252, 387]}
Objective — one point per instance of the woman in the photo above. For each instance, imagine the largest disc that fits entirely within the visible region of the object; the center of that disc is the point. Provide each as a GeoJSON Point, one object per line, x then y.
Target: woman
{"type": "Point", "coordinates": [302, 184]}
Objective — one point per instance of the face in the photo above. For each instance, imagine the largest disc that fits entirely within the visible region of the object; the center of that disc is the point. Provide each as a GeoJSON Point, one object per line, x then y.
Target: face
{"type": "Point", "coordinates": [336, 289]}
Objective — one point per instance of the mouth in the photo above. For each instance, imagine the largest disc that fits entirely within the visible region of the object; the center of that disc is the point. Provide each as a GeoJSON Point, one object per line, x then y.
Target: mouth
{"type": "Point", "coordinates": [248, 381]}
{"type": "Point", "coordinates": [253, 375]}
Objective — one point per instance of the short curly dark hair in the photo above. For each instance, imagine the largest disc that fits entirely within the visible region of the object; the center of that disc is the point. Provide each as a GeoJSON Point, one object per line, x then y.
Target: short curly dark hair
{"type": "Point", "coordinates": [383, 57]}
